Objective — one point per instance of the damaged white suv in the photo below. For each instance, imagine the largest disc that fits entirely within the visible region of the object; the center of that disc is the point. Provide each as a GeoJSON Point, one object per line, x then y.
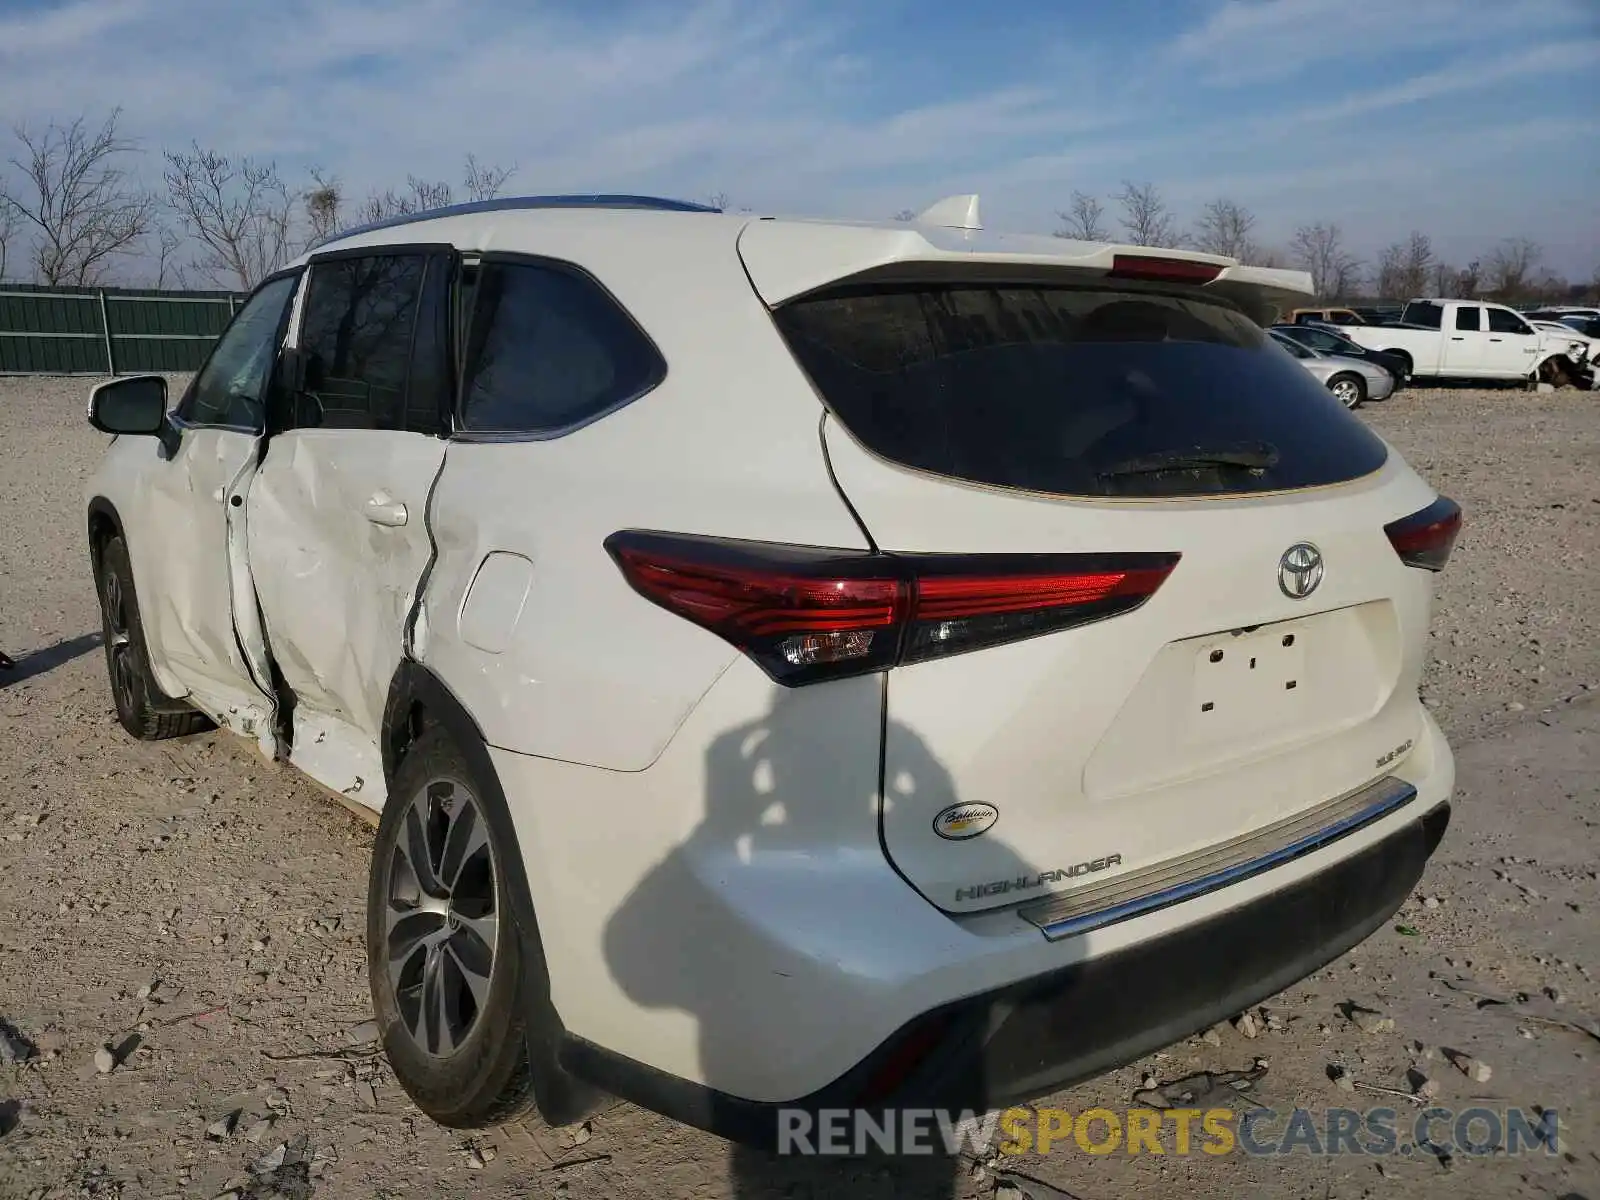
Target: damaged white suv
{"type": "Point", "coordinates": [797, 664]}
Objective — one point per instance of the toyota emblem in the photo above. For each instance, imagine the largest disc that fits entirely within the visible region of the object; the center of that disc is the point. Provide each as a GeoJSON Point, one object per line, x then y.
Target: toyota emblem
{"type": "Point", "coordinates": [1300, 570]}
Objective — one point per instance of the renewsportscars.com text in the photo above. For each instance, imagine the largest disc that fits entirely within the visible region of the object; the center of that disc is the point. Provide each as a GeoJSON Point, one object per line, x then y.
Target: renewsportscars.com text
{"type": "Point", "coordinates": [1172, 1131]}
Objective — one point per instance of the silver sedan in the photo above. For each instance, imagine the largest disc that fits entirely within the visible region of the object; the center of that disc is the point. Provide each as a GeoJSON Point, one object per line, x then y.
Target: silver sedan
{"type": "Point", "coordinates": [1352, 381]}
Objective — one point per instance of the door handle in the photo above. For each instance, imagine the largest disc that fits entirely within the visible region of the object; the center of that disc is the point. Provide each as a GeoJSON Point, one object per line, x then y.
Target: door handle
{"type": "Point", "coordinates": [384, 509]}
{"type": "Point", "coordinates": [1497, 339]}
{"type": "Point", "coordinates": [1458, 339]}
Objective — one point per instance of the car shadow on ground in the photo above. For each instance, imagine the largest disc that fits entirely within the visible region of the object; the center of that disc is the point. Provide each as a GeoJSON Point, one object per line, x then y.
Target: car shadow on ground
{"type": "Point", "coordinates": [49, 658]}
{"type": "Point", "coordinates": [780, 804]}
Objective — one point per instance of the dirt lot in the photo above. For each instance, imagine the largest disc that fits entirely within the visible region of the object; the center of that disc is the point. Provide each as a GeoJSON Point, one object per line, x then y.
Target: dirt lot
{"type": "Point", "coordinates": [202, 911]}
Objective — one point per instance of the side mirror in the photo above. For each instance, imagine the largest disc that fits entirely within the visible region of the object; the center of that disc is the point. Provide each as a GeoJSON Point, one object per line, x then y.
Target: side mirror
{"type": "Point", "coordinates": [136, 404]}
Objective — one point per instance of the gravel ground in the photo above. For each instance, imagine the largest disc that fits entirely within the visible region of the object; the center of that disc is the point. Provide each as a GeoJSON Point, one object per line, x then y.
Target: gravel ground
{"type": "Point", "coordinates": [192, 917]}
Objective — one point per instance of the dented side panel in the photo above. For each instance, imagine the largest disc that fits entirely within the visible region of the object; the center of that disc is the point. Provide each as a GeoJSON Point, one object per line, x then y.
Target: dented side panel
{"type": "Point", "coordinates": [338, 543]}
{"type": "Point", "coordinates": [192, 577]}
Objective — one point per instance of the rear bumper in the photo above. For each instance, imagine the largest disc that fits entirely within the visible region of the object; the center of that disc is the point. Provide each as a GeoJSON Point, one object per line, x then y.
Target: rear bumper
{"type": "Point", "coordinates": [1029, 1038]}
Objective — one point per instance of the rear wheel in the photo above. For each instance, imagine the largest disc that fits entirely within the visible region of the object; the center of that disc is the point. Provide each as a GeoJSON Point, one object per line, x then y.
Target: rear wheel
{"type": "Point", "coordinates": [1349, 390]}
{"type": "Point", "coordinates": [444, 953]}
{"type": "Point", "coordinates": [143, 709]}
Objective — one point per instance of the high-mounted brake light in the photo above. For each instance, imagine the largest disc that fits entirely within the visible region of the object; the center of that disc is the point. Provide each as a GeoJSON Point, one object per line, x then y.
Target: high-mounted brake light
{"type": "Point", "coordinates": [807, 613]}
{"type": "Point", "coordinates": [1162, 270]}
{"type": "Point", "coordinates": [1426, 537]}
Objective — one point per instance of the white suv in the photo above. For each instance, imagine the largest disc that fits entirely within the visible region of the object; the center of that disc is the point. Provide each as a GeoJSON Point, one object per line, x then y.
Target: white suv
{"type": "Point", "coordinates": [797, 664]}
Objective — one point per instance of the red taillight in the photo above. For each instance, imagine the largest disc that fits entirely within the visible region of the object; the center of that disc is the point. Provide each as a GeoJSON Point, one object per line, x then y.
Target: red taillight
{"type": "Point", "coordinates": [1162, 270]}
{"type": "Point", "coordinates": [807, 613]}
{"type": "Point", "coordinates": [1426, 537]}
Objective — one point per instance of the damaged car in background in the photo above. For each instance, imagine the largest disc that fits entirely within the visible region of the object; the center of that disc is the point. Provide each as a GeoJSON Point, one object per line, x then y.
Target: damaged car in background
{"type": "Point", "coordinates": [931, 668]}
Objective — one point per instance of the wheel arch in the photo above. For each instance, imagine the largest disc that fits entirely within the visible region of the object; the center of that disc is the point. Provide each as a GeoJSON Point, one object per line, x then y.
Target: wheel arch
{"type": "Point", "coordinates": [104, 523]}
{"type": "Point", "coordinates": [419, 701]}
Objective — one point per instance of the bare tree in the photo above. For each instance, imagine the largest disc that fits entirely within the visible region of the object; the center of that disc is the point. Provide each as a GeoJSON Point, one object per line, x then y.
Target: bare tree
{"type": "Point", "coordinates": [1417, 266]}
{"type": "Point", "coordinates": [168, 269]}
{"type": "Point", "coordinates": [84, 205]}
{"type": "Point", "coordinates": [1084, 220]}
{"type": "Point", "coordinates": [1320, 250]}
{"type": "Point", "coordinates": [1387, 279]}
{"type": "Point", "coordinates": [8, 232]}
{"type": "Point", "coordinates": [1469, 281]}
{"type": "Point", "coordinates": [718, 201]}
{"type": "Point", "coordinates": [323, 202]}
{"type": "Point", "coordinates": [1511, 267]}
{"type": "Point", "coordinates": [905, 214]}
{"type": "Point", "coordinates": [419, 195]}
{"type": "Point", "coordinates": [1224, 228]}
{"type": "Point", "coordinates": [1444, 278]}
{"type": "Point", "coordinates": [1146, 219]}
{"type": "Point", "coordinates": [483, 181]}
{"type": "Point", "coordinates": [238, 209]}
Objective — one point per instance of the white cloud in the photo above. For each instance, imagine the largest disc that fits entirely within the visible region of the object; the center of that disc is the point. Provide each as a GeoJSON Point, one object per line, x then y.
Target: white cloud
{"type": "Point", "coordinates": [781, 103]}
{"type": "Point", "coordinates": [1247, 41]}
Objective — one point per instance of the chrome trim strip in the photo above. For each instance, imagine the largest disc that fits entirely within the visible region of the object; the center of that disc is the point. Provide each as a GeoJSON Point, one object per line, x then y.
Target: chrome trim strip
{"type": "Point", "coordinates": [1172, 882]}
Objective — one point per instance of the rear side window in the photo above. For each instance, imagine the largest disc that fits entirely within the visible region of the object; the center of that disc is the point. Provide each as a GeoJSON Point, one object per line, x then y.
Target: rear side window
{"type": "Point", "coordinates": [360, 317]}
{"type": "Point", "coordinates": [1075, 390]}
{"type": "Point", "coordinates": [549, 350]}
{"type": "Point", "coordinates": [1424, 313]}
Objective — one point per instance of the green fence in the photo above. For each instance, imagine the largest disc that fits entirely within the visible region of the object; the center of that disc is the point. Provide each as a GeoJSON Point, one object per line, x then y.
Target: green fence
{"type": "Point", "coordinates": [108, 331]}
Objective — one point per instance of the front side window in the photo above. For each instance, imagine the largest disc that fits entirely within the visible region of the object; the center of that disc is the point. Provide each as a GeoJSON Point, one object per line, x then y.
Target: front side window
{"type": "Point", "coordinates": [1503, 320]}
{"type": "Point", "coordinates": [231, 388]}
{"type": "Point", "coordinates": [549, 350]}
{"type": "Point", "coordinates": [360, 316]}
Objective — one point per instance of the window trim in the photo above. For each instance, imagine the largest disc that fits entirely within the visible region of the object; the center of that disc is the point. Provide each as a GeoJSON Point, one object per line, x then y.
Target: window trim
{"type": "Point", "coordinates": [458, 430]}
{"type": "Point", "coordinates": [181, 423]}
{"type": "Point", "coordinates": [429, 252]}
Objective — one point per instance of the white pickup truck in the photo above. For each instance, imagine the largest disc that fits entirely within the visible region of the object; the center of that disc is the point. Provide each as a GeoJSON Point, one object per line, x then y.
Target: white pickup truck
{"type": "Point", "coordinates": [1466, 339]}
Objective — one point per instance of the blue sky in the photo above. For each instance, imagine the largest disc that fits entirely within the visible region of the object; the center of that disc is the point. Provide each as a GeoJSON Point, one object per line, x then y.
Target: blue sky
{"type": "Point", "coordinates": [1470, 119]}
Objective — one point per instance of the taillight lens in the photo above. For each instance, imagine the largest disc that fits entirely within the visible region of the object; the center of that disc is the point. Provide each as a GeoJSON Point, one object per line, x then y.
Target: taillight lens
{"type": "Point", "coordinates": [1426, 537]}
{"type": "Point", "coordinates": [807, 613]}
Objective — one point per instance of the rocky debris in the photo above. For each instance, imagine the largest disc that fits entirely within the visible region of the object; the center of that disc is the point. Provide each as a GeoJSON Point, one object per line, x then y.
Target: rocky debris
{"type": "Point", "coordinates": [14, 1048]}
{"type": "Point", "coordinates": [1212, 1036]}
{"type": "Point", "coordinates": [1342, 1078]}
{"type": "Point", "coordinates": [258, 1130]}
{"type": "Point", "coordinates": [105, 1060]}
{"type": "Point", "coordinates": [222, 1128]}
{"type": "Point", "coordinates": [1189, 1090]}
{"type": "Point", "coordinates": [1422, 1086]}
{"type": "Point", "coordinates": [363, 1034]}
{"type": "Point", "coordinates": [1474, 1069]}
{"type": "Point", "coordinates": [1369, 1020]}
{"type": "Point", "coordinates": [1431, 902]}
{"type": "Point", "coordinates": [1248, 1025]}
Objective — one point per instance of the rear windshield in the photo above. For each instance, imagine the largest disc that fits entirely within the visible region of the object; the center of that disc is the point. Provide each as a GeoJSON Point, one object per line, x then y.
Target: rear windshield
{"type": "Point", "coordinates": [1075, 391]}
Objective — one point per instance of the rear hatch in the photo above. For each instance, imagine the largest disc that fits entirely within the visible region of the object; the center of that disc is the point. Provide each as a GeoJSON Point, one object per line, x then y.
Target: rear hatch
{"type": "Point", "coordinates": [1112, 414]}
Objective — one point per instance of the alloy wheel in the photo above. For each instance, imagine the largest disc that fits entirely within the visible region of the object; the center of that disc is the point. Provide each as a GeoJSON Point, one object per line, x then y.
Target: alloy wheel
{"type": "Point", "coordinates": [441, 924]}
{"type": "Point", "coordinates": [119, 645]}
{"type": "Point", "coordinates": [1347, 393]}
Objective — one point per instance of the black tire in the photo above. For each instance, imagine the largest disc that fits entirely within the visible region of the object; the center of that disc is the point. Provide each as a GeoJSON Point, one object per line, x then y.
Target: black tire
{"type": "Point", "coordinates": [482, 1075]}
{"type": "Point", "coordinates": [143, 709]}
{"type": "Point", "coordinates": [1350, 390]}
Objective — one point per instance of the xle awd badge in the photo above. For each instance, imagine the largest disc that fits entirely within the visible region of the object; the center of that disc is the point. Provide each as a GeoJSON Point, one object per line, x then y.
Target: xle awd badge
{"type": "Point", "coordinates": [1300, 570]}
{"type": "Point", "coordinates": [962, 821]}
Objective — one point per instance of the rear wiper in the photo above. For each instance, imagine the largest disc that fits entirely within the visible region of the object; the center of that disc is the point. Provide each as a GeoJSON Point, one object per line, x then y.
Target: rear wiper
{"type": "Point", "coordinates": [1256, 456]}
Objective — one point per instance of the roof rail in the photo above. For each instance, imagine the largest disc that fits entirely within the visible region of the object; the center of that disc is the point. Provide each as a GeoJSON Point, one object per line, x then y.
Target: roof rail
{"type": "Point", "coordinates": [514, 203]}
